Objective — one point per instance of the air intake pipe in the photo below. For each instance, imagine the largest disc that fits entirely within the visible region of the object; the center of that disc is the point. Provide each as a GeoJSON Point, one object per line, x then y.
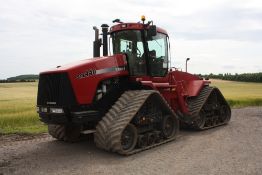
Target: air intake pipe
{"type": "Point", "coordinates": [96, 43]}
{"type": "Point", "coordinates": [105, 32]}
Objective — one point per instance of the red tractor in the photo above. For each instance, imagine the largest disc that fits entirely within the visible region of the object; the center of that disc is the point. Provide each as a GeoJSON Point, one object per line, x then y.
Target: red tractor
{"type": "Point", "coordinates": [131, 99]}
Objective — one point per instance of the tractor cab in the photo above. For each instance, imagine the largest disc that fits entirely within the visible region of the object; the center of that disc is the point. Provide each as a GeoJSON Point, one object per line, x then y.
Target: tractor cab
{"type": "Point", "coordinates": [145, 45]}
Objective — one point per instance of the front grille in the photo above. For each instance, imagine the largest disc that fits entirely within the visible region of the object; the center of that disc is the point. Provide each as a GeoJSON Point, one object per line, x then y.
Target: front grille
{"type": "Point", "coordinates": [55, 89]}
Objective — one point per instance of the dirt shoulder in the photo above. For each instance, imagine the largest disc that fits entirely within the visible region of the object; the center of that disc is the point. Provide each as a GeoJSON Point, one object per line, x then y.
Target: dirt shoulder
{"type": "Point", "coordinates": [8, 138]}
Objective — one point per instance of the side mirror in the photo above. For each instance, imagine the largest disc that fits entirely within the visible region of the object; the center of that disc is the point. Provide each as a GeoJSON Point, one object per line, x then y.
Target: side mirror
{"type": "Point", "coordinates": [152, 31]}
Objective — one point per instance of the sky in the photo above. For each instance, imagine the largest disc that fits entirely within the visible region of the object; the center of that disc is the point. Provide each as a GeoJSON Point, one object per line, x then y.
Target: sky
{"type": "Point", "coordinates": [219, 36]}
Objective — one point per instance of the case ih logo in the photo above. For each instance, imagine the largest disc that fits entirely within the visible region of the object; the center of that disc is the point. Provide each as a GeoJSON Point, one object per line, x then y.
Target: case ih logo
{"type": "Point", "coordinates": [86, 74]}
{"type": "Point", "coordinates": [91, 72]}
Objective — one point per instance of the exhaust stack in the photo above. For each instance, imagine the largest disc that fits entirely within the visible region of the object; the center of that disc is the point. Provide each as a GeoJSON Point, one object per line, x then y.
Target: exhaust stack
{"type": "Point", "coordinates": [105, 32]}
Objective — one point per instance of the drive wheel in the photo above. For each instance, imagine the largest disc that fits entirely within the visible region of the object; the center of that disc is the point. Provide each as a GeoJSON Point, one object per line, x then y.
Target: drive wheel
{"type": "Point", "coordinates": [68, 133]}
{"type": "Point", "coordinates": [129, 138]}
{"type": "Point", "coordinates": [169, 125]}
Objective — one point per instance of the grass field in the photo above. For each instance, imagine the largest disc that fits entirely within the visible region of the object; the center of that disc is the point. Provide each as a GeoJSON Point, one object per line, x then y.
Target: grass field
{"type": "Point", "coordinates": [240, 94]}
{"type": "Point", "coordinates": [18, 101]}
{"type": "Point", "coordinates": [17, 108]}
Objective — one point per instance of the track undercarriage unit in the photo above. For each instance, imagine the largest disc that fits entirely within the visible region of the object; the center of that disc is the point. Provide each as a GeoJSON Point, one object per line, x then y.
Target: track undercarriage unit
{"type": "Point", "coordinates": [139, 120]}
{"type": "Point", "coordinates": [209, 109]}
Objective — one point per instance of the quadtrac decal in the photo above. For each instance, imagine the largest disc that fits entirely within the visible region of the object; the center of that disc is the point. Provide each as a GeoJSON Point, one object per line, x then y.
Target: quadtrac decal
{"type": "Point", "coordinates": [91, 72]}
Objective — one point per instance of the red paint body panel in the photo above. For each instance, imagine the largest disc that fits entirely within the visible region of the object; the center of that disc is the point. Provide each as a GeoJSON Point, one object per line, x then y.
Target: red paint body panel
{"type": "Point", "coordinates": [85, 88]}
{"type": "Point", "coordinates": [194, 87]}
{"type": "Point", "coordinates": [155, 85]}
{"type": "Point", "coordinates": [192, 83]}
{"type": "Point", "coordinates": [175, 87]}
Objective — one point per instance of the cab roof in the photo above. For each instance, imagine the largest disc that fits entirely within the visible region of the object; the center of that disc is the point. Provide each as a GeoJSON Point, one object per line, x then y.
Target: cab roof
{"type": "Point", "coordinates": [133, 26]}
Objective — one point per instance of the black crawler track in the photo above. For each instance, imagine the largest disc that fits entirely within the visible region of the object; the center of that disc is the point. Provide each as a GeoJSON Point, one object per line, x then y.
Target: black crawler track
{"type": "Point", "coordinates": [68, 133]}
{"type": "Point", "coordinates": [206, 108]}
{"type": "Point", "coordinates": [109, 129]}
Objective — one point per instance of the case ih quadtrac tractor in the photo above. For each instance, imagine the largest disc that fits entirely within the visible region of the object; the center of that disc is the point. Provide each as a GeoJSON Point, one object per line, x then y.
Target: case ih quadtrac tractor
{"type": "Point", "coordinates": [131, 99]}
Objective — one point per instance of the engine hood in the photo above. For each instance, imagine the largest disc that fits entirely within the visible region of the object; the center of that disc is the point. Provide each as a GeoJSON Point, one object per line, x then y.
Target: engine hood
{"type": "Point", "coordinates": [85, 75]}
{"type": "Point", "coordinates": [91, 63]}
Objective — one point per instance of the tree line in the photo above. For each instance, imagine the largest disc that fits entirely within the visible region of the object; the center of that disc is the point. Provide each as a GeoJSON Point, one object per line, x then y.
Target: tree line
{"type": "Point", "coordinates": [245, 77]}
{"type": "Point", "coordinates": [21, 78]}
{"type": "Point", "coordinates": [16, 81]}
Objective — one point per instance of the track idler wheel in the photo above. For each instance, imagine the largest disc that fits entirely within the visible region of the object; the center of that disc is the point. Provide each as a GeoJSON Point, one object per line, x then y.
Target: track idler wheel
{"type": "Point", "coordinates": [169, 126]}
{"type": "Point", "coordinates": [142, 141]}
{"type": "Point", "coordinates": [151, 138]}
{"type": "Point", "coordinates": [129, 138]}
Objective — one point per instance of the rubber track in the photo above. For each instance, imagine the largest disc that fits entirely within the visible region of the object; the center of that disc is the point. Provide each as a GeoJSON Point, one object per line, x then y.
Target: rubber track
{"type": "Point", "coordinates": [197, 103]}
{"type": "Point", "coordinates": [101, 136]}
{"type": "Point", "coordinates": [60, 132]}
{"type": "Point", "coordinates": [109, 129]}
{"type": "Point", "coordinates": [57, 131]}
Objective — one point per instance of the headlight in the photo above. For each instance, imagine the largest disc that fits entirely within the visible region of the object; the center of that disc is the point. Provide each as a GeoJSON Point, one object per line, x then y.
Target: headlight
{"type": "Point", "coordinates": [37, 109]}
{"type": "Point", "coordinates": [43, 109]}
{"type": "Point", "coordinates": [56, 110]}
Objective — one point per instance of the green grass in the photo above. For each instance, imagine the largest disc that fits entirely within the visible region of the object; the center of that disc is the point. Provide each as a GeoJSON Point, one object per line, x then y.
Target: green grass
{"type": "Point", "coordinates": [240, 94]}
{"type": "Point", "coordinates": [17, 109]}
{"type": "Point", "coordinates": [18, 101]}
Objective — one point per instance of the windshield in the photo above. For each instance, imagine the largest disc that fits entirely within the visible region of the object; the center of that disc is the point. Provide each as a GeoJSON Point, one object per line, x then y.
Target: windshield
{"type": "Point", "coordinates": [158, 54]}
{"type": "Point", "coordinates": [130, 42]}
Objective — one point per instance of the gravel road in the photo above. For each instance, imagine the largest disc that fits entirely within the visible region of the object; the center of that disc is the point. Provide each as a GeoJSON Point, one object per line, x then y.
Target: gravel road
{"type": "Point", "coordinates": [235, 148]}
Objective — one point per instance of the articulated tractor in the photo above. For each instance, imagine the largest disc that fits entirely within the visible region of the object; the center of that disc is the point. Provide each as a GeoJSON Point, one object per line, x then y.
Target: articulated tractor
{"type": "Point", "coordinates": [130, 99]}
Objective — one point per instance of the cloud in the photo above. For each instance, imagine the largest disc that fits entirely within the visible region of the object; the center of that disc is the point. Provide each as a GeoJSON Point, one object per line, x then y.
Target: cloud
{"type": "Point", "coordinates": [40, 34]}
{"type": "Point", "coordinates": [229, 67]}
{"type": "Point", "coordinates": [221, 22]}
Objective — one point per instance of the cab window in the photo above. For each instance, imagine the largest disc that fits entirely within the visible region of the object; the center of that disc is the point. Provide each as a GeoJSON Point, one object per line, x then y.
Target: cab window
{"type": "Point", "coordinates": [130, 43]}
{"type": "Point", "coordinates": [158, 54]}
